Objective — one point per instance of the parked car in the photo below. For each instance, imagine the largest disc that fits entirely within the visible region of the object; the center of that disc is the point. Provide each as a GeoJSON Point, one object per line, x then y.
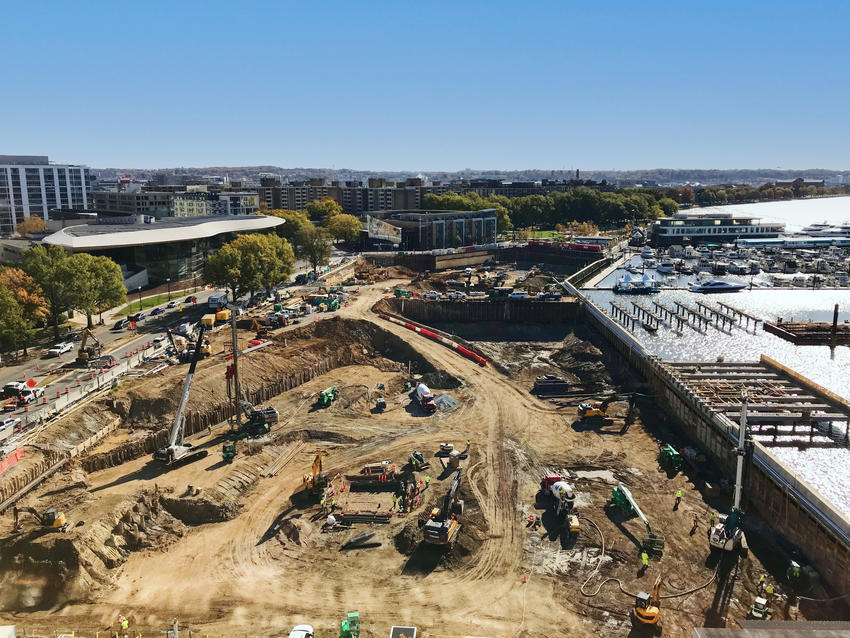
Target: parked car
{"type": "Point", "coordinates": [191, 299]}
{"type": "Point", "coordinates": [518, 294]}
{"type": "Point", "coordinates": [157, 311]}
{"type": "Point", "coordinates": [121, 324]}
{"type": "Point", "coordinates": [158, 340]}
{"type": "Point", "coordinates": [13, 389]}
{"type": "Point", "coordinates": [137, 317]}
{"type": "Point", "coordinates": [300, 279]}
{"type": "Point", "coordinates": [59, 349]}
{"type": "Point", "coordinates": [9, 422]}
{"type": "Point", "coordinates": [29, 395]}
{"type": "Point", "coordinates": [432, 294]}
{"type": "Point", "coordinates": [172, 304]}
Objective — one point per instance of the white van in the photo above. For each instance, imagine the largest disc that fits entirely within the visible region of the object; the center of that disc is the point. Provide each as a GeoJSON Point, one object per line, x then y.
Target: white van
{"type": "Point", "coordinates": [518, 294]}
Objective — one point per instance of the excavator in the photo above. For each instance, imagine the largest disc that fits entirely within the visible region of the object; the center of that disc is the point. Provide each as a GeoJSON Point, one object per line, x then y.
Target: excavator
{"type": "Point", "coordinates": [177, 451]}
{"type": "Point", "coordinates": [621, 497]}
{"type": "Point", "coordinates": [443, 525]}
{"type": "Point", "coordinates": [317, 481]}
{"type": "Point", "coordinates": [50, 518]}
{"type": "Point", "coordinates": [647, 610]}
{"type": "Point", "coordinates": [596, 412]}
{"type": "Point", "coordinates": [87, 354]}
{"type": "Point", "coordinates": [258, 420]}
{"type": "Point", "coordinates": [727, 534]}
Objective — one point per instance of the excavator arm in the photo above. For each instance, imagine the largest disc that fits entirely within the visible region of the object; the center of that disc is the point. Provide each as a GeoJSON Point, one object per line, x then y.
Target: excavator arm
{"type": "Point", "coordinates": [176, 435]}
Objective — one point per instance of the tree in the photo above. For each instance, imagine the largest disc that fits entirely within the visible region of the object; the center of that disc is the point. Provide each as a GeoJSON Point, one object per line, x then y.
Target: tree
{"type": "Point", "coordinates": [294, 221]}
{"type": "Point", "coordinates": [50, 267]}
{"type": "Point", "coordinates": [344, 227]}
{"type": "Point", "coordinates": [31, 224]}
{"type": "Point", "coordinates": [29, 297]}
{"type": "Point", "coordinates": [669, 205]}
{"type": "Point", "coordinates": [249, 263]}
{"type": "Point", "coordinates": [13, 326]}
{"type": "Point", "coordinates": [316, 246]}
{"type": "Point", "coordinates": [322, 209]}
{"type": "Point", "coordinates": [109, 288]}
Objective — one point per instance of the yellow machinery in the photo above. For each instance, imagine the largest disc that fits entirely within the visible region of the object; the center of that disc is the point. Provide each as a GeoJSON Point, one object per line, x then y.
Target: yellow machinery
{"type": "Point", "coordinates": [318, 480]}
{"type": "Point", "coordinates": [50, 518]}
{"type": "Point", "coordinates": [647, 610]}
{"type": "Point", "coordinates": [595, 411]}
{"type": "Point", "coordinates": [443, 525]}
{"type": "Point", "coordinates": [91, 352]}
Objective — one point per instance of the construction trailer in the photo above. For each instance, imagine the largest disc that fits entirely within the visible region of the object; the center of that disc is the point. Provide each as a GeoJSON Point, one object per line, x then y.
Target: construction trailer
{"type": "Point", "coordinates": [443, 525]}
{"type": "Point", "coordinates": [176, 451]}
{"type": "Point", "coordinates": [621, 497]}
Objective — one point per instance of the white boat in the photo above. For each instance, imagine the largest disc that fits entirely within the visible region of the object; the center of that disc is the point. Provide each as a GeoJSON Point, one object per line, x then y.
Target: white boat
{"type": "Point", "coordinates": [650, 263]}
{"type": "Point", "coordinates": [690, 253]}
{"type": "Point", "coordinates": [717, 285]}
{"type": "Point", "coordinates": [647, 253]}
{"type": "Point", "coordinates": [736, 268]}
{"type": "Point", "coordinates": [666, 266]}
{"type": "Point", "coordinates": [627, 285]}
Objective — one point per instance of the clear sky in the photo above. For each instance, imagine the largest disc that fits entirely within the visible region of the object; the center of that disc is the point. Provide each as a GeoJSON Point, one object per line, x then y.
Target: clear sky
{"type": "Point", "coordinates": [403, 85]}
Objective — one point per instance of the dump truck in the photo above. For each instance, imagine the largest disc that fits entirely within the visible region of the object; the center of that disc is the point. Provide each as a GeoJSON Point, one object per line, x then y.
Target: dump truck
{"type": "Point", "coordinates": [426, 398]}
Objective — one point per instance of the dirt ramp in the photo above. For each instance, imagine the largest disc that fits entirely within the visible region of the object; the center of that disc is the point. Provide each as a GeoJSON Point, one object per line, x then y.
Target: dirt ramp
{"type": "Point", "coordinates": [43, 568]}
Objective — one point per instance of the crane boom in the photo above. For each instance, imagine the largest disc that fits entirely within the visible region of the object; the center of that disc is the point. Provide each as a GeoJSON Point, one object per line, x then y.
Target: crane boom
{"type": "Point", "coordinates": [176, 436]}
{"type": "Point", "coordinates": [626, 493]}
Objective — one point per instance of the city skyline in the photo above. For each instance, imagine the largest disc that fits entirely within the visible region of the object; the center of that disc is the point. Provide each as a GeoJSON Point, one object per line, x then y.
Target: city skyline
{"type": "Point", "coordinates": [438, 88]}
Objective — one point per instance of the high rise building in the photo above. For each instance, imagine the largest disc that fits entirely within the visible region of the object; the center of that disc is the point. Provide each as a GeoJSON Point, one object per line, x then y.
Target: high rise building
{"type": "Point", "coordinates": [31, 186]}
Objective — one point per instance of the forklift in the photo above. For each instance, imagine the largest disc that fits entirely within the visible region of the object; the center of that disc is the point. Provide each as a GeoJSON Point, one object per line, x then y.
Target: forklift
{"type": "Point", "coordinates": [228, 451]}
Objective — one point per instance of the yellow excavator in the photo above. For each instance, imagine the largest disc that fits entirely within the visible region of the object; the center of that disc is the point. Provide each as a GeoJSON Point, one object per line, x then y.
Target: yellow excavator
{"type": "Point", "coordinates": [50, 518]}
{"type": "Point", "coordinates": [90, 353]}
{"type": "Point", "coordinates": [318, 480]}
{"type": "Point", "coordinates": [595, 412]}
{"type": "Point", "coordinates": [647, 611]}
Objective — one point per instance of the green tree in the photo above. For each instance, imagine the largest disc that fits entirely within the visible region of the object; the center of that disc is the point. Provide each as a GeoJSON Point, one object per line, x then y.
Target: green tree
{"type": "Point", "coordinates": [249, 263]}
{"type": "Point", "coordinates": [109, 290]}
{"type": "Point", "coordinates": [316, 246]}
{"type": "Point", "coordinates": [344, 227]}
{"type": "Point", "coordinates": [321, 210]}
{"type": "Point", "coordinates": [50, 267]}
{"type": "Point", "coordinates": [294, 220]}
{"type": "Point", "coordinates": [14, 328]}
{"type": "Point", "coordinates": [669, 205]}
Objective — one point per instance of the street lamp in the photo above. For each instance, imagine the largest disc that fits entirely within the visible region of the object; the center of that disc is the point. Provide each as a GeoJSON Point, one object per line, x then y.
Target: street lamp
{"type": "Point", "coordinates": [139, 289]}
{"type": "Point", "coordinates": [168, 283]}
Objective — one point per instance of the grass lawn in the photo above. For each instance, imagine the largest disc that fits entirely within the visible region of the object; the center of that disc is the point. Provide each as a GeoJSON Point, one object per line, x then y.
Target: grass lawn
{"type": "Point", "coordinates": [147, 302]}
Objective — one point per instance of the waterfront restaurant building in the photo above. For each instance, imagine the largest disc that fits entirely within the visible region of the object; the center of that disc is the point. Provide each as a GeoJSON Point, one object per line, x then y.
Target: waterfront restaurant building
{"type": "Point", "coordinates": [712, 227]}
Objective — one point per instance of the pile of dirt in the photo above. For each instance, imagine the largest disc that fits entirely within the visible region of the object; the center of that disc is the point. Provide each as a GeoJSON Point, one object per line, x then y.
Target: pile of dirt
{"type": "Point", "coordinates": [442, 380]}
{"type": "Point", "coordinates": [43, 568]}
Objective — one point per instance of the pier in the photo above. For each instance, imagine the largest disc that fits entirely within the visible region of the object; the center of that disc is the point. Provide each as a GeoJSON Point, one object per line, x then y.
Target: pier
{"type": "Point", "coordinates": [741, 315]}
{"type": "Point", "coordinates": [786, 410]}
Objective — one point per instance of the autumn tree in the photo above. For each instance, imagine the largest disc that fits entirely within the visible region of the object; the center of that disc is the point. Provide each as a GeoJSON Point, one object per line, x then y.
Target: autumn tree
{"type": "Point", "coordinates": [31, 224]}
{"type": "Point", "coordinates": [315, 245]}
{"type": "Point", "coordinates": [321, 210]}
{"type": "Point", "coordinates": [29, 297]}
{"type": "Point", "coordinates": [344, 227]}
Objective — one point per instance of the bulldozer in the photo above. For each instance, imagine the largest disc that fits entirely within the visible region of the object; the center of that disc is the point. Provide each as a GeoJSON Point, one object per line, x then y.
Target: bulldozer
{"type": "Point", "coordinates": [317, 481]}
{"type": "Point", "coordinates": [646, 613]}
{"type": "Point", "coordinates": [50, 518]}
{"type": "Point", "coordinates": [417, 461]}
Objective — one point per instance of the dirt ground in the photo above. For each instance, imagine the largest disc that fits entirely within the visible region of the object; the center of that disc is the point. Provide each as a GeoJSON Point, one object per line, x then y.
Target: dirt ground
{"type": "Point", "coordinates": [271, 566]}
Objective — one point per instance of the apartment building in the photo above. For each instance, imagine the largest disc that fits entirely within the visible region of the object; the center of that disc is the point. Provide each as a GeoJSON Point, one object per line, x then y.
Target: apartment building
{"type": "Point", "coordinates": [153, 203]}
{"type": "Point", "coordinates": [199, 204]}
{"type": "Point", "coordinates": [31, 186]}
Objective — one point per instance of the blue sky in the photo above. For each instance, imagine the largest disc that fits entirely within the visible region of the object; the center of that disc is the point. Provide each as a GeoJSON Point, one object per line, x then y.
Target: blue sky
{"type": "Point", "coordinates": [428, 85]}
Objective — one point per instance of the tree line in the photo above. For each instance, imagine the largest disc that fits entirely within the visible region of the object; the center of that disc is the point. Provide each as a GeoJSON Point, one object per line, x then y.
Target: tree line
{"type": "Point", "coordinates": [581, 204]}
{"type": "Point", "coordinates": [49, 284]}
{"type": "Point", "coordinates": [718, 195]}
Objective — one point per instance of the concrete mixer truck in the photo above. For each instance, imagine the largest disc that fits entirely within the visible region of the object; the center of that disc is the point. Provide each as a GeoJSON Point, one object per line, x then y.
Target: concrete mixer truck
{"type": "Point", "coordinates": [426, 398]}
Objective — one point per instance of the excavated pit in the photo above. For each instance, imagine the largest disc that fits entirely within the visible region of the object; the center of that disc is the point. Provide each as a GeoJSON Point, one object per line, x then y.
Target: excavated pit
{"type": "Point", "coordinates": [44, 568]}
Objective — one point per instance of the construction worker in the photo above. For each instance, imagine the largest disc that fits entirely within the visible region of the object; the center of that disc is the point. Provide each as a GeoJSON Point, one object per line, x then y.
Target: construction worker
{"type": "Point", "coordinates": [761, 584]}
{"type": "Point", "coordinates": [322, 503]}
{"type": "Point", "coordinates": [769, 590]}
{"type": "Point", "coordinates": [124, 623]}
{"type": "Point", "coordinates": [395, 502]}
{"type": "Point", "coordinates": [427, 481]}
{"type": "Point", "coordinates": [333, 505]}
{"type": "Point", "coordinates": [711, 518]}
{"type": "Point", "coordinates": [678, 499]}
{"type": "Point", "coordinates": [644, 559]}
{"type": "Point", "coordinates": [694, 526]}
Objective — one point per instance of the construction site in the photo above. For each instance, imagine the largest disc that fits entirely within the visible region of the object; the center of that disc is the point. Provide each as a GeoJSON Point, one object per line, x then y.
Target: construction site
{"type": "Point", "coordinates": [467, 478]}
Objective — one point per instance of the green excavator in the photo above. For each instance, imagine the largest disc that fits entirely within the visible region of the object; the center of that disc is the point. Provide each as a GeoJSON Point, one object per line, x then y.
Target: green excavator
{"type": "Point", "coordinates": [622, 498]}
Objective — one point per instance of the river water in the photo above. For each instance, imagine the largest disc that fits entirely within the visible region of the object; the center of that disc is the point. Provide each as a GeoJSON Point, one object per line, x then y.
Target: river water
{"type": "Point", "coordinates": [796, 213]}
{"type": "Point", "coordinates": [826, 469]}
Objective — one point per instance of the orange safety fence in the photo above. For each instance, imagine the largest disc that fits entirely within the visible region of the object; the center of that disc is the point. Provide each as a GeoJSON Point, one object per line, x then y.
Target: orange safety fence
{"type": "Point", "coordinates": [11, 459]}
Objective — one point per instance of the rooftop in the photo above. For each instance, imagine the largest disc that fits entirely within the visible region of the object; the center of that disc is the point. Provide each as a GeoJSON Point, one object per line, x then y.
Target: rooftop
{"type": "Point", "coordinates": [163, 230]}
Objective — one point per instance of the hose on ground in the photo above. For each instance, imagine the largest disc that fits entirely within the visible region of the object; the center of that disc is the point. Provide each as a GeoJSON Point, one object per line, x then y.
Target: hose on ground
{"type": "Point", "coordinates": [620, 583]}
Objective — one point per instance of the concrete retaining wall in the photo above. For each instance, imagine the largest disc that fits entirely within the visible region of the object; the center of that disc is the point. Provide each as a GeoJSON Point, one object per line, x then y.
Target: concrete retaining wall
{"type": "Point", "coordinates": [770, 488]}
{"type": "Point", "coordinates": [516, 310]}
